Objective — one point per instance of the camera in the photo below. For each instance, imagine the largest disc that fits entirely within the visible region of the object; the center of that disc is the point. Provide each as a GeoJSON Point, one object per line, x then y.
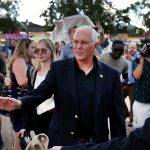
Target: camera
{"type": "Point", "coordinates": [145, 47]}
{"type": "Point", "coordinates": [24, 140]}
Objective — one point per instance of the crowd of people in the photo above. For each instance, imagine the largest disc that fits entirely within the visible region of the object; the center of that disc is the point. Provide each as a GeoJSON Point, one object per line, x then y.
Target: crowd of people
{"type": "Point", "coordinates": [86, 88]}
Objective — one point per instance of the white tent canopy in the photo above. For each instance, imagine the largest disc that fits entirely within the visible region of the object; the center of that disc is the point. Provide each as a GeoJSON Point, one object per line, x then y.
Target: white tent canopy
{"type": "Point", "coordinates": [61, 27]}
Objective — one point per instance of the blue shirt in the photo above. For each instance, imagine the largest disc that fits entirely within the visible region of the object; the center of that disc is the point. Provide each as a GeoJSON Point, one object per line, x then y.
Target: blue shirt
{"type": "Point", "coordinates": [66, 52]}
{"type": "Point", "coordinates": [99, 49]}
{"type": "Point", "coordinates": [130, 69]}
{"type": "Point", "coordinates": [130, 73]}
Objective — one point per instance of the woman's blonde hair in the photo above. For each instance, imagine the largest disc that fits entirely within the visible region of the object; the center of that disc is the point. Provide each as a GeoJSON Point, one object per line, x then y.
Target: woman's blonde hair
{"type": "Point", "coordinates": [20, 50]}
{"type": "Point", "coordinates": [49, 44]}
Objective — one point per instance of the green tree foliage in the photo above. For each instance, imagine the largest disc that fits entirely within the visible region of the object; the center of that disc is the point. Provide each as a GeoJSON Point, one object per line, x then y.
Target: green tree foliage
{"type": "Point", "coordinates": [58, 9]}
{"type": "Point", "coordinates": [8, 14]}
{"type": "Point", "coordinates": [142, 10]}
{"type": "Point", "coordinates": [8, 25]}
{"type": "Point", "coordinates": [112, 20]}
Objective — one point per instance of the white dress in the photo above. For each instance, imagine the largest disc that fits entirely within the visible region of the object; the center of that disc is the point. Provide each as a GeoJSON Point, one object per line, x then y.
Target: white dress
{"type": "Point", "coordinates": [47, 104]}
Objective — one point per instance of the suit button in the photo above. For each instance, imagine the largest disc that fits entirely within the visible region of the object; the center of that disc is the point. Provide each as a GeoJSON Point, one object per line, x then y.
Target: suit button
{"type": "Point", "coordinates": [76, 116]}
{"type": "Point", "coordinates": [72, 133]}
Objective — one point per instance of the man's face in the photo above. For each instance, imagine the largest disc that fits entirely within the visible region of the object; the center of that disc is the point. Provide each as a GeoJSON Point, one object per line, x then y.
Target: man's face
{"type": "Point", "coordinates": [132, 49]}
{"type": "Point", "coordinates": [117, 51]}
{"type": "Point", "coordinates": [83, 46]}
{"type": "Point", "coordinates": [71, 34]}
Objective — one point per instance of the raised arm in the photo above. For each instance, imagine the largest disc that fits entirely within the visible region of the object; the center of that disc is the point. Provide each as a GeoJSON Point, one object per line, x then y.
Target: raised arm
{"type": "Point", "coordinates": [139, 69]}
{"type": "Point", "coordinates": [7, 103]}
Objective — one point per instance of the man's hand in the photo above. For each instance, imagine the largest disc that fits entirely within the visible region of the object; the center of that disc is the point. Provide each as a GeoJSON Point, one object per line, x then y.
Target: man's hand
{"type": "Point", "coordinates": [55, 148]}
{"type": "Point", "coordinates": [7, 103]}
{"type": "Point", "coordinates": [129, 57]}
{"type": "Point", "coordinates": [21, 133]}
{"type": "Point", "coordinates": [100, 28]}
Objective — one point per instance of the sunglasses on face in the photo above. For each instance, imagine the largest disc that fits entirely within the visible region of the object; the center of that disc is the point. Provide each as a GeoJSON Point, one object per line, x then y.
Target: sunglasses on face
{"type": "Point", "coordinates": [40, 51]}
{"type": "Point", "coordinates": [118, 50]}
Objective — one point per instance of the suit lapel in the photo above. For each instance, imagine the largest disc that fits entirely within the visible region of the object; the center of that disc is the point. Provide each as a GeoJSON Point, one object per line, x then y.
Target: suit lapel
{"type": "Point", "coordinates": [71, 79]}
{"type": "Point", "coordinates": [99, 85]}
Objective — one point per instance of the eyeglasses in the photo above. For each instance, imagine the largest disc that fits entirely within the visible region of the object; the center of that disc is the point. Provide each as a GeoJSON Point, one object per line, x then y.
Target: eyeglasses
{"type": "Point", "coordinates": [132, 47]}
{"type": "Point", "coordinates": [40, 51]}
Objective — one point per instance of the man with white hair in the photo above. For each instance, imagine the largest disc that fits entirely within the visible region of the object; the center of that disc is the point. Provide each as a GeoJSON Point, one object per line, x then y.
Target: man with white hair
{"type": "Point", "coordinates": [86, 93]}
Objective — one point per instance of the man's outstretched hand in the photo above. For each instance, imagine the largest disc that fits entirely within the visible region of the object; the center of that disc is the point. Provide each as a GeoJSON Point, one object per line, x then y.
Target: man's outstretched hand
{"type": "Point", "coordinates": [7, 103]}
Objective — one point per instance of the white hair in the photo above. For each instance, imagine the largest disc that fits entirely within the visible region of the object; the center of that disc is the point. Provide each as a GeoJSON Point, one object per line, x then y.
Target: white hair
{"type": "Point", "coordinates": [93, 32]}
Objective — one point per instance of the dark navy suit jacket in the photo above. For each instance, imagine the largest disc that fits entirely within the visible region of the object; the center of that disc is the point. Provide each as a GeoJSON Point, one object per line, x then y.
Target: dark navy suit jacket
{"type": "Point", "coordinates": [61, 81]}
{"type": "Point", "coordinates": [139, 139]}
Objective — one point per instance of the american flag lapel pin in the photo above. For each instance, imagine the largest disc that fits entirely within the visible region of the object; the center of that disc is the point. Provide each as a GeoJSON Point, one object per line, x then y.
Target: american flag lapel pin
{"type": "Point", "coordinates": [101, 76]}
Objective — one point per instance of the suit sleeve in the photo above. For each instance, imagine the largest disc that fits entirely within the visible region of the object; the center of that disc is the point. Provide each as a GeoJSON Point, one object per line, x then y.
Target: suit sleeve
{"type": "Point", "coordinates": [43, 91]}
{"type": "Point", "coordinates": [138, 139]}
{"type": "Point", "coordinates": [116, 114]}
